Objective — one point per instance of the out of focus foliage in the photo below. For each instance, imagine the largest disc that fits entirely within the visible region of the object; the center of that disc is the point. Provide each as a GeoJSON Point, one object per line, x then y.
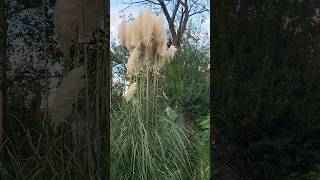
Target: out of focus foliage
{"type": "Point", "coordinates": [266, 88]}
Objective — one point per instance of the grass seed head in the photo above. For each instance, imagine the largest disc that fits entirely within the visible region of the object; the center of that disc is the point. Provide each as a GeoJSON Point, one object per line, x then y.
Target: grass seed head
{"type": "Point", "coordinates": [123, 33]}
{"type": "Point", "coordinates": [130, 91]}
{"type": "Point", "coordinates": [134, 63]}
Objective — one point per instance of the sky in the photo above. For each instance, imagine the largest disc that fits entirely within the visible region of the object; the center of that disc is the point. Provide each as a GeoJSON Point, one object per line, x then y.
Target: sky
{"type": "Point", "coordinates": [117, 5]}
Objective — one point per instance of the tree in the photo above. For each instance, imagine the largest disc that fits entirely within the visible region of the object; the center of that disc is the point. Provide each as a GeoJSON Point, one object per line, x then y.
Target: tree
{"type": "Point", "coordinates": [177, 13]}
{"type": "Point", "coordinates": [3, 67]}
{"type": "Point", "coordinates": [266, 88]}
{"type": "Point", "coordinates": [187, 82]}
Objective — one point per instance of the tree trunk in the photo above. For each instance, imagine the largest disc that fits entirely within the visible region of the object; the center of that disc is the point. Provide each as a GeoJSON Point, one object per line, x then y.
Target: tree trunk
{"type": "Point", "coordinates": [3, 67]}
{"type": "Point", "coordinates": [1, 116]}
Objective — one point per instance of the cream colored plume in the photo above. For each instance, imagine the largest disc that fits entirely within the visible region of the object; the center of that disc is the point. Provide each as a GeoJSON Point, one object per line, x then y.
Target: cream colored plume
{"type": "Point", "coordinates": [134, 38]}
{"type": "Point", "coordinates": [134, 63]}
{"type": "Point", "coordinates": [171, 52]}
{"type": "Point", "coordinates": [146, 21]}
{"type": "Point", "coordinates": [71, 18]}
{"type": "Point", "coordinates": [146, 33]}
{"type": "Point", "coordinates": [160, 35]}
{"type": "Point", "coordinates": [166, 55]}
{"type": "Point", "coordinates": [130, 91]}
{"type": "Point", "coordinates": [67, 93]}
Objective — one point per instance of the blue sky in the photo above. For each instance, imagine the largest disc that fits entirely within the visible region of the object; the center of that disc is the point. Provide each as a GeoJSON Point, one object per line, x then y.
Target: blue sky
{"type": "Point", "coordinates": [117, 5]}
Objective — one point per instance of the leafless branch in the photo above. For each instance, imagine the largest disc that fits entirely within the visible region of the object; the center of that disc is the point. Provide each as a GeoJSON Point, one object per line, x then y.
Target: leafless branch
{"type": "Point", "coordinates": [192, 5]}
{"type": "Point", "coordinates": [125, 8]}
{"type": "Point", "coordinates": [152, 2]}
{"type": "Point", "coordinates": [143, 2]}
{"type": "Point", "coordinates": [165, 10]}
{"type": "Point", "coordinates": [181, 19]}
{"type": "Point", "coordinates": [176, 7]}
{"type": "Point", "coordinates": [189, 35]}
{"type": "Point", "coordinates": [199, 12]}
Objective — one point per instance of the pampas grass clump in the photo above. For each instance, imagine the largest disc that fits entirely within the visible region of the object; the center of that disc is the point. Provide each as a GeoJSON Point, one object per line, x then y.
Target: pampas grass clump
{"type": "Point", "coordinates": [145, 142]}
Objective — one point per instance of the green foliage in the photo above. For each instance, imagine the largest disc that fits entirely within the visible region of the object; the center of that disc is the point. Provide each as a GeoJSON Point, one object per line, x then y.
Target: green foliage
{"type": "Point", "coordinates": [203, 138]}
{"type": "Point", "coordinates": [172, 115]}
{"type": "Point", "coordinates": [187, 87]}
{"type": "Point", "coordinates": [266, 87]}
{"type": "Point", "coordinates": [203, 123]}
{"type": "Point", "coordinates": [313, 175]}
{"type": "Point", "coordinates": [187, 81]}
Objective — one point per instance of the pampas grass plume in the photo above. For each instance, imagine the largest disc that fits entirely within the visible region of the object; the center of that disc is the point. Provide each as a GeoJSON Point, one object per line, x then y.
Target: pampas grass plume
{"type": "Point", "coordinates": [171, 52]}
{"type": "Point", "coordinates": [134, 63]}
{"type": "Point", "coordinates": [160, 36]}
{"type": "Point", "coordinates": [68, 19]}
{"type": "Point", "coordinates": [133, 36]}
{"type": "Point", "coordinates": [130, 91]}
{"type": "Point", "coordinates": [166, 55]}
{"type": "Point", "coordinates": [146, 39]}
{"type": "Point", "coordinates": [68, 91]}
{"type": "Point", "coordinates": [146, 21]}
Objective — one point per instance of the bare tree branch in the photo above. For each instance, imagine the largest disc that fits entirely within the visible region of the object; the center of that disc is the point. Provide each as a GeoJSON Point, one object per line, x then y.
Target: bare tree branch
{"type": "Point", "coordinates": [176, 7]}
{"type": "Point", "coordinates": [199, 12]}
{"type": "Point", "coordinates": [152, 2]}
{"type": "Point", "coordinates": [185, 18]}
{"type": "Point", "coordinates": [170, 21]}
{"type": "Point", "coordinates": [125, 8]}
{"type": "Point", "coordinates": [135, 2]}
{"type": "Point", "coordinates": [165, 10]}
{"type": "Point", "coordinates": [181, 19]}
{"type": "Point", "coordinates": [189, 35]}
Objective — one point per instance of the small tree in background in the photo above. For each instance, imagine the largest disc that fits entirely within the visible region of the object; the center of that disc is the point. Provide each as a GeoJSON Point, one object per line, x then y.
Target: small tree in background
{"type": "Point", "coordinates": [187, 82]}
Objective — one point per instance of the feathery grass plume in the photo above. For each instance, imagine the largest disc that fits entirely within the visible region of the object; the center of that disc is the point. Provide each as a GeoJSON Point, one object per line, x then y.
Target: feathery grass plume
{"type": "Point", "coordinates": [171, 52]}
{"type": "Point", "coordinates": [68, 19]}
{"type": "Point", "coordinates": [123, 33]}
{"type": "Point", "coordinates": [166, 55]}
{"type": "Point", "coordinates": [132, 35]}
{"type": "Point", "coordinates": [130, 91]}
{"type": "Point", "coordinates": [146, 21]}
{"type": "Point", "coordinates": [146, 33]}
{"type": "Point", "coordinates": [160, 35]}
{"type": "Point", "coordinates": [162, 51]}
{"type": "Point", "coordinates": [134, 62]}
{"type": "Point", "coordinates": [67, 93]}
